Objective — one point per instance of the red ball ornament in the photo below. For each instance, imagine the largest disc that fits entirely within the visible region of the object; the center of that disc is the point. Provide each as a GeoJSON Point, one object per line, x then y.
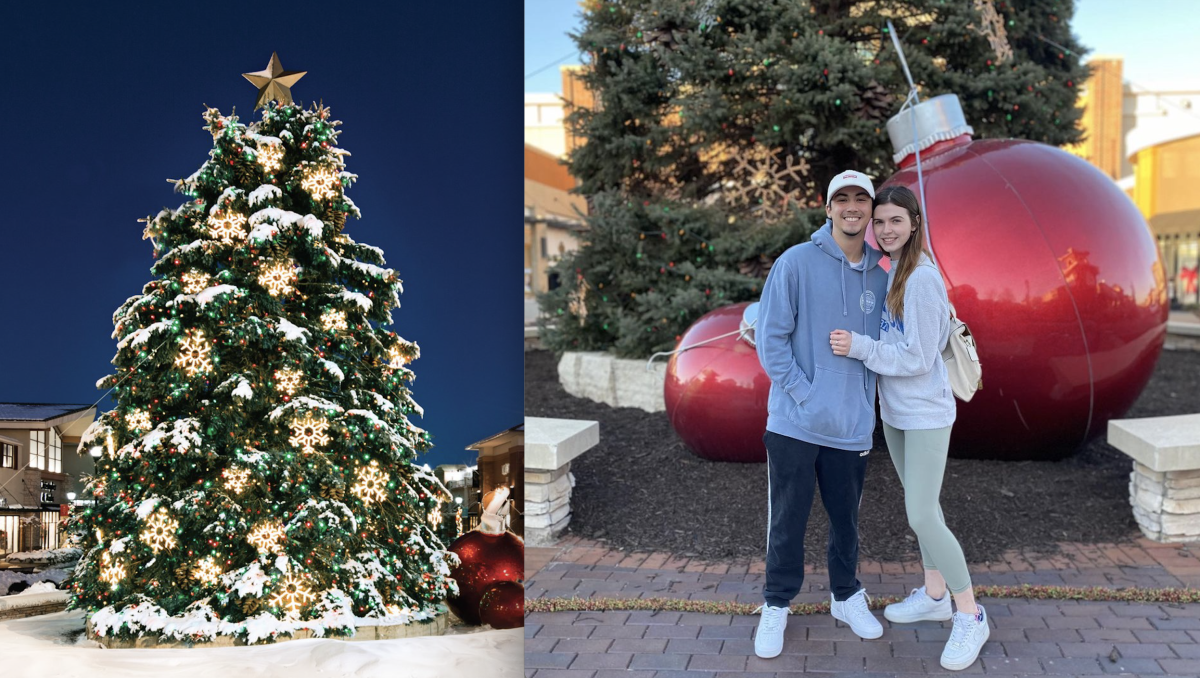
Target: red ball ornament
{"type": "Point", "coordinates": [716, 393]}
{"type": "Point", "coordinates": [503, 605]}
{"type": "Point", "coordinates": [1056, 273]}
{"type": "Point", "coordinates": [485, 560]}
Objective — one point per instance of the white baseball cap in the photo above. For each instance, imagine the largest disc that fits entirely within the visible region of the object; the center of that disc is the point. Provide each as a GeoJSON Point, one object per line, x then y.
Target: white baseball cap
{"type": "Point", "coordinates": [849, 178]}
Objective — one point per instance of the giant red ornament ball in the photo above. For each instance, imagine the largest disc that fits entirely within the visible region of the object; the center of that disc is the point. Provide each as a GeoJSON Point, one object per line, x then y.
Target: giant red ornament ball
{"type": "Point", "coordinates": [485, 559]}
{"type": "Point", "coordinates": [503, 605]}
{"type": "Point", "coordinates": [716, 393]}
{"type": "Point", "coordinates": [1047, 260]}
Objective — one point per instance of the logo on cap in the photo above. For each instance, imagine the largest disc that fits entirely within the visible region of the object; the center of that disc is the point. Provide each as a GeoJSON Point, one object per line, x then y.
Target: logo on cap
{"type": "Point", "coordinates": [849, 176]}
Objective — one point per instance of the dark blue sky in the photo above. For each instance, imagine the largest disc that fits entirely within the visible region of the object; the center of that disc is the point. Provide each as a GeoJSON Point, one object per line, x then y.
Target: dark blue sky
{"type": "Point", "coordinates": [100, 105]}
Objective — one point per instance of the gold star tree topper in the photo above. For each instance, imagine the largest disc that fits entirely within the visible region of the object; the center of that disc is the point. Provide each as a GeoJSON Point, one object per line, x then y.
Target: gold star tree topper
{"type": "Point", "coordinates": [273, 82]}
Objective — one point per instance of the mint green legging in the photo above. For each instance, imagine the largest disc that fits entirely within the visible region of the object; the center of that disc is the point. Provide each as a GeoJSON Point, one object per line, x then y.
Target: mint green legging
{"type": "Point", "coordinates": [920, 460]}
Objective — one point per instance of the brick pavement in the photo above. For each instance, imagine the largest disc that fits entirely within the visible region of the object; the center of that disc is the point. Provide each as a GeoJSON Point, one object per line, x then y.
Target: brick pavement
{"type": "Point", "coordinates": [1028, 637]}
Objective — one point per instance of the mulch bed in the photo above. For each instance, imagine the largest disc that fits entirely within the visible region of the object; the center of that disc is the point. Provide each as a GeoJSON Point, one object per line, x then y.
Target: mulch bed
{"type": "Point", "coordinates": [640, 489]}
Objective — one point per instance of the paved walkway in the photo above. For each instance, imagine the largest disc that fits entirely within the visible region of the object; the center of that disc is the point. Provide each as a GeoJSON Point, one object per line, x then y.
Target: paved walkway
{"type": "Point", "coordinates": [1028, 637]}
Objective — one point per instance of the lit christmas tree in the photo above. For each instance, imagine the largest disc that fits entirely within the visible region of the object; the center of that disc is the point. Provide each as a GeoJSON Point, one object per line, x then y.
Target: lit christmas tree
{"type": "Point", "coordinates": [256, 475]}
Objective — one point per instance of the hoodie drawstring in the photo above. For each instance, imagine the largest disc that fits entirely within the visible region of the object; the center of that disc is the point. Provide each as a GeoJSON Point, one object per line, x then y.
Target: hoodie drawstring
{"type": "Point", "coordinates": [866, 377]}
{"type": "Point", "coordinates": [844, 311]}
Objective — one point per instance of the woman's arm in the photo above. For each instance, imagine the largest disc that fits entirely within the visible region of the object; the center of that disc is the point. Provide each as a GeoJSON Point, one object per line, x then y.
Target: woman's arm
{"type": "Point", "coordinates": [919, 347]}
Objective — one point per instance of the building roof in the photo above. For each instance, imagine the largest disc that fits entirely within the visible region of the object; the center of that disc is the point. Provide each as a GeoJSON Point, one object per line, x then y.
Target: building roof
{"type": "Point", "coordinates": [519, 428]}
{"type": "Point", "coordinates": [37, 411]}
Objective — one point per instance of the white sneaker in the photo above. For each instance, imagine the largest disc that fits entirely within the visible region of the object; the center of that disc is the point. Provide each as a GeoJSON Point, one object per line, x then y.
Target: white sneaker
{"type": "Point", "coordinates": [918, 606]}
{"type": "Point", "coordinates": [966, 640]}
{"type": "Point", "coordinates": [855, 612]}
{"type": "Point", "coordinates": [768, 642]}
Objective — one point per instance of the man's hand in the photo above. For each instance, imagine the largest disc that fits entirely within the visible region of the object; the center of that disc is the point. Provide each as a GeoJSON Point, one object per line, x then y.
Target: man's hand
{"type": "Point", "coordinates": [839, 341]}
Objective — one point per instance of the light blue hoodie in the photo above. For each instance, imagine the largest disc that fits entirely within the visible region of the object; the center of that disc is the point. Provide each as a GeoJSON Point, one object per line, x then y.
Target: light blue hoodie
{"type": "Point", "coordinates": [816, 396]}
{"type": "Point", "coordinates": [914, 388]}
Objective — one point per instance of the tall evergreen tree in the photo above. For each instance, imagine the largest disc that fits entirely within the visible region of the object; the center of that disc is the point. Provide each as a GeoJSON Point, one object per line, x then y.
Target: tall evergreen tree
{"type": "Point", "coordinates": [256, 475]}
{"type": "Point", "coordinates": [719, 123]}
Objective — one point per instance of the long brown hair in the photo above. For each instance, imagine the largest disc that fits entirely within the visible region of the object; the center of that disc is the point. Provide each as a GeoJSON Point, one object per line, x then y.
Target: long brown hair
{"type": "Point", "coordinates": [910, 255]}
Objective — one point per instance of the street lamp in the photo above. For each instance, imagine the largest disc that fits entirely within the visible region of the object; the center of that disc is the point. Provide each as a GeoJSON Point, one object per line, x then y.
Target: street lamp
{"type": "Point", "coordinates": [71, 496]}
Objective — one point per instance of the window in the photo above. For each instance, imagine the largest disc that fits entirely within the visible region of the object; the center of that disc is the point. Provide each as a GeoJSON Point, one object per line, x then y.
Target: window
{"type": "Point", "coordinates": [37, 449]}
{"type": "Point", "coordinates": [55, 465]}
{"type": "Point", "coordinates": [48, 488]}
{"type": "Point", "coordinates": [8, 457]}
{"type": "Point", "coordinates": [544, 249]}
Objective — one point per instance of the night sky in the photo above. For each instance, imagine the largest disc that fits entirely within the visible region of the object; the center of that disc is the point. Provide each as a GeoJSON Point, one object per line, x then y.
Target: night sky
{"type": "Point", "coordinates": [99, 106]}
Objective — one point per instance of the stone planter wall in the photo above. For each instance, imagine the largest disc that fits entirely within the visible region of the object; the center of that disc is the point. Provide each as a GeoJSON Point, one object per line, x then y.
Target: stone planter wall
{"type": "Point", "coordinates": [618, 382]}
{"type": "Point", "coordinates": [32, 610]}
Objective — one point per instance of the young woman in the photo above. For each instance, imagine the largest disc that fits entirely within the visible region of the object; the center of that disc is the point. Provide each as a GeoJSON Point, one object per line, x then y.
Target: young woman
{"type": "Point", "coordinates": [918, 410]}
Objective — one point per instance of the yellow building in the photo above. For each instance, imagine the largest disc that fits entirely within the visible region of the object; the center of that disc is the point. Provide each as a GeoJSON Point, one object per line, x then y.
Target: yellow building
{"type": "Point", "coordinates": [1102, 99]}
{"type": "Point", "coordinates": [1155, 132]}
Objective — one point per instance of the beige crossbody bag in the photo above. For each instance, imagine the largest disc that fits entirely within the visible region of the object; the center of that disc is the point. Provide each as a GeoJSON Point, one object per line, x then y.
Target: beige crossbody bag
{"type": "Point", "coordinates": [962, 359]}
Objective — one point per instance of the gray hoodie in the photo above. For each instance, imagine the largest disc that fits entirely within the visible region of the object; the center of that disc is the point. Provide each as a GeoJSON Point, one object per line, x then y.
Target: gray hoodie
{"type": "Point", "coordinates": [816, 396]}
{"type": "Point", "coordinates": [914, 390]}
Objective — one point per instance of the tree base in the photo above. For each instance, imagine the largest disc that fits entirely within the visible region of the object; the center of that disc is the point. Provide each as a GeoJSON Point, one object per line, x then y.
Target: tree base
{"type": "Point", "coordinates": [435, 627]}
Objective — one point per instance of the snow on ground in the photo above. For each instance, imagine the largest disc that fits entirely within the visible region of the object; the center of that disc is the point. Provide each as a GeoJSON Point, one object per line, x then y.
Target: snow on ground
{"type": "Point", "coordinates": [51, 556]}
{"type": "Point", "coordinates": [54, 645]}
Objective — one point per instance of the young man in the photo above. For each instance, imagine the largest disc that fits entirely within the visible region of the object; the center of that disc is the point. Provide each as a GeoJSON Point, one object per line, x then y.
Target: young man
{"type": "Point", "coordinates": [821, 409]}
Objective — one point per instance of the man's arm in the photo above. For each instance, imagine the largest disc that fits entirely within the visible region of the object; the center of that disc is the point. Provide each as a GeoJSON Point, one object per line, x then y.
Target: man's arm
{"type": "Point", "coordinates": [777, 311]}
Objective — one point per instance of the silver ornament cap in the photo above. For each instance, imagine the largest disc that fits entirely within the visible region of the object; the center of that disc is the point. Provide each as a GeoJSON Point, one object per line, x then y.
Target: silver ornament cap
{"type": "Point", "coordinates": [938, 119]}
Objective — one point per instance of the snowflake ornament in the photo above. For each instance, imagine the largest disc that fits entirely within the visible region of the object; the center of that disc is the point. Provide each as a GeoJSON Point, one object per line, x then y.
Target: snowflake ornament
{"type": "Point", "coordinates": [139, 420]}
{"type": "Point", "coordinates": [333, 320]}
{"type": "Point", "coordinates": [321, 184]}
{"type": "Point", "coordinates": [308, 432]}
{"type": "Point", "coordinates": [287, 380]}
{"type": "Point", "coordinates": [278, 278]}
{"type": "Point", "coordinates": [372, 483]}
{"type": "Point", "coordinates": [236, 479]}
{"type": "Point", "coordinates": [207, 570]}
{"type": "Point", "coordinates": [111, 571]}
{"type": "Point", "coordinates": [435, 516]}
{"type": "Point", "coordinates": [226, 226]}
{"type": "Point", "coordinates": [291, 593]}
{"type": "Point", "coordinates": [159, 532]}
{"type": "Point", "coordinates": [767, 182]}
{"type": "Point", "coordinates": [396, 360]}
{"type": "Point", "coordinates": [270, 156]}
{"type": "Point", "coordinates": [194, 355]}
{"type": "Point", "coordinates": [194, 281]}
{"type": "Point", "coordinates": [267, 536]}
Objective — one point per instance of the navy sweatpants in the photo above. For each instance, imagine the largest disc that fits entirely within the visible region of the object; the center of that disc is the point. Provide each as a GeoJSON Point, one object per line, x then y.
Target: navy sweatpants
{"type": "Point", "coordinates": [794, 468]}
